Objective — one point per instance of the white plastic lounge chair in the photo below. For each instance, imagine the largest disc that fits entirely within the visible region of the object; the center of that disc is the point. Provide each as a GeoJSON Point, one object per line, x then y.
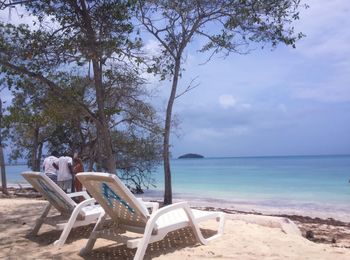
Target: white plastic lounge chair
{"type": "Point", "coordinates": [130, 215]}
{"type": "Point", "coordinates": [71, 214]}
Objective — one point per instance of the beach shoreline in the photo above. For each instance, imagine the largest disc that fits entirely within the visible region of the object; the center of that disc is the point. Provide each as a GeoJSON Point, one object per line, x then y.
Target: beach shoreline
{"type": "Point", "coordinates": [265, 207]}
{"type": "Point", "coordinates": [241, 240]}
{"type": "Point", "coordinates": [317, 228]}
{"type": "Point", "coordinates": [259, 207]}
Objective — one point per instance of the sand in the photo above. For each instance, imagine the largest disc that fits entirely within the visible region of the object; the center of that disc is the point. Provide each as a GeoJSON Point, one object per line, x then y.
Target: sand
{"type": "Point", "coordinates": [241, 240]}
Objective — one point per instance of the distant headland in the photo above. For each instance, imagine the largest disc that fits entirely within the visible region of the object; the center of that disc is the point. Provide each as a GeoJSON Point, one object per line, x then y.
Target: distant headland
{"type": "Point", "coordinates": [191, 156]}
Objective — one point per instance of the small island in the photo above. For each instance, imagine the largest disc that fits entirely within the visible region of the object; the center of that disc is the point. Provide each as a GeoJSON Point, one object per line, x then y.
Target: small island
{"type": "Point", "coordinates": [191, 156]}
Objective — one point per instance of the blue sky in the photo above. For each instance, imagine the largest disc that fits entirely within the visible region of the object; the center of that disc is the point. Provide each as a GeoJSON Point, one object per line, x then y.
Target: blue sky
{"type": "Point", "coordinates": [282, 102]}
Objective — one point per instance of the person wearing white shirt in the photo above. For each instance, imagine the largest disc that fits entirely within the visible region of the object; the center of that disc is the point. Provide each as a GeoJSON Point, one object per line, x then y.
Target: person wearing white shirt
{"type": "Point", "coordinates": [50, 166]}
{"type": "Point", "coordinates": [65, 173]}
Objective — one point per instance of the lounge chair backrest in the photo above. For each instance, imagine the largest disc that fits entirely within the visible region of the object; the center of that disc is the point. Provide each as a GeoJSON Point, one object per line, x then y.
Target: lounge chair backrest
{"type": "Point", "coordinates": [115, 198]}
{"type": "Point", "coordinates": [50, 191]}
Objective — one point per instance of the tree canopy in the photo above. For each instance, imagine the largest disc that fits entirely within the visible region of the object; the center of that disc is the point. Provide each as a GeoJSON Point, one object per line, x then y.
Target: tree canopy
{"type": "Point", "coordinates": [76, 85]}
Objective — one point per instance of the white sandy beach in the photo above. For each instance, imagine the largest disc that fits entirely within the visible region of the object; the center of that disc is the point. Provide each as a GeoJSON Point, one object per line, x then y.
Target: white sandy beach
{"type": "Point", "coordinates": [241, 240]}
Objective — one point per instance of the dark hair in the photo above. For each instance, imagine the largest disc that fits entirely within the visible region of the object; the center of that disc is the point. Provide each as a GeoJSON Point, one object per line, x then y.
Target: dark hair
{"type": "Point", "coordinates": [55, 153]}
{"type": "Point", "coordinates": [77, 160]}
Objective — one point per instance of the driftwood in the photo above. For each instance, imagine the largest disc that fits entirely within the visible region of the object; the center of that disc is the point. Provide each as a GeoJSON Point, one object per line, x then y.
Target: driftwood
{"type": "Point", "coordinates": [285, 224]}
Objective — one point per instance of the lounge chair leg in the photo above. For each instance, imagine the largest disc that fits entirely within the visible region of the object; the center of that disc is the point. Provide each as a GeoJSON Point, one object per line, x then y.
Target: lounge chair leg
{"type": "Point", "coordinates": [68, 227]}
{"type": "Point", "coordinates": [40, 220]}
{"type": "Point", "coordinates": [65, 233]}
{"type": "Point", "coordinates": [221, 219]}
{"type": "Point", "coordinates": [141, 248]}
{"type": "Point", "coordinates": [195, 227]}
{"type": "Point", "coordinates": [143, 244]}
{"type": "Point", "coordinates": [92, 239]}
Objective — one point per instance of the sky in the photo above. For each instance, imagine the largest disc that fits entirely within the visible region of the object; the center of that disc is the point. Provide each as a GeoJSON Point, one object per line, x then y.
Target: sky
{"type": "Point", "coordinates": [281, 102]}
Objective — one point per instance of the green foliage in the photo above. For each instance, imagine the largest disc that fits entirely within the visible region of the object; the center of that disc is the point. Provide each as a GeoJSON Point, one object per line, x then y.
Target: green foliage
{"type": "Point", "coordinates": [48, 68]}
{"type": "Point", "coordinates": [223, 26]}
{"type": "Point", "coordinates": [137, 155]}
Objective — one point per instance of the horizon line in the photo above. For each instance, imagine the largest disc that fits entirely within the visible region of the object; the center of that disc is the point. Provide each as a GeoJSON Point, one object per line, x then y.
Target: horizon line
{"type": "Point", "coordinates": [264, 156]}
{"type": "Point", "coordinates": [243, 156]}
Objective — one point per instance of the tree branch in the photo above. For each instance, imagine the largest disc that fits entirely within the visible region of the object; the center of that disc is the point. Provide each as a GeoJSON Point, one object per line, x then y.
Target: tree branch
{"type": "Point", "coordinates": [52, 86]}
{"type": "Point", "coordinates": [188, 88]}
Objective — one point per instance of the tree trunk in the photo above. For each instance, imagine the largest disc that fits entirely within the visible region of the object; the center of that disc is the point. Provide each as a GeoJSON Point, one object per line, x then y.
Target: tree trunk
{"type": "Point", "coordinates": [35, 149]}
{"type": "Point", "coordinates": [3, 171]}
{"type": "Point", "coordinates": [168, 196]}
{"type": "Point", "coordinates": [38, 159]}
{"type": "Point", "coordinates": [103, 128]}
{"type": "Point", "coordinates": [2, 159]}
{"type": "Point", "coordinates": [91, 164]}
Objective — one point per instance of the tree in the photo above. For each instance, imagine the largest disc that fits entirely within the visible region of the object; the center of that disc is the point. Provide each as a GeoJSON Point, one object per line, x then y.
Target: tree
{"type": "Point", "coordinates": [37, 118]}
{"type": "Point", "coordinates": [30, 122]}
{"type": "Point", "coordinates": [225, 25]}
{"type": "Point", "coordinates": [2, 159]}
{"type": "Point", "coordinates": [134, 126]}
{"type": "Point", "coordinates": [79, 33]}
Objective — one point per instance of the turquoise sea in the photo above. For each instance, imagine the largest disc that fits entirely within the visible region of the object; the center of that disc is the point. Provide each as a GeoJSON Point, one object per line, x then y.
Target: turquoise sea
{"type": "Point", "coordinates": [315, 183]}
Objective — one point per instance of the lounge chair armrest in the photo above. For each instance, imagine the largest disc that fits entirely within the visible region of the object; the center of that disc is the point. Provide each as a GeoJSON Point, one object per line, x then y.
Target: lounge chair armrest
{"type": "Point", "coordinates": [154, 206]}
{"type": "Point", "coordinates": [186, 208]}
{"type": "Point", "coordinates": [180, 205]}
{"type": "Point", "coordinates": [152, 222]}
{"type": "Point", "coordinates": [85, 203]}
{"type": "Point", "coordinates": [79, 193]}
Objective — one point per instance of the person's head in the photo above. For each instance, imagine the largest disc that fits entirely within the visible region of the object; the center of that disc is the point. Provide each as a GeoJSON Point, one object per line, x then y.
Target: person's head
{"type": "Point", "coordinates": [77, 160]}
{"type": "Point", "coordinates": [55, 153]}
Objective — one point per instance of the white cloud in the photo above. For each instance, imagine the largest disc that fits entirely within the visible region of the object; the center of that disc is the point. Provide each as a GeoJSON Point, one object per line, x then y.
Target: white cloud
{"type": "Point", "coordinates": [227, 101]}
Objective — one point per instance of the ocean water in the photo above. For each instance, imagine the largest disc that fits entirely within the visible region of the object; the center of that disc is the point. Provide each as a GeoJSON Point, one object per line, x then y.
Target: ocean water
{"type": "Point", "coordinates": [318, 183]}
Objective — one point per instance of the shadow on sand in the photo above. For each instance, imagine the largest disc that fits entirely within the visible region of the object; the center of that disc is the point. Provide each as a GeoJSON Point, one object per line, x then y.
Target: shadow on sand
{"type": "Point", "coordinates": [182, 238]}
